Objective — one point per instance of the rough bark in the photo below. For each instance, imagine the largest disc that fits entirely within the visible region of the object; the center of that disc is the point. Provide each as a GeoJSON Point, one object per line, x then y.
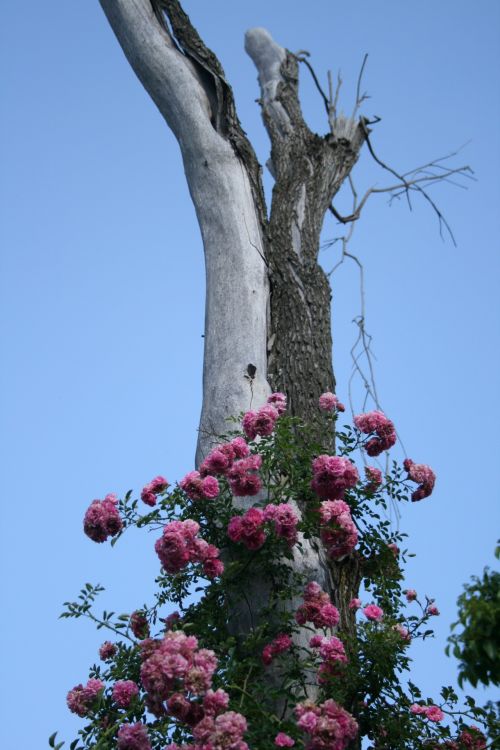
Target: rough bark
{"type": "Point", "coordinates": [308, 171]}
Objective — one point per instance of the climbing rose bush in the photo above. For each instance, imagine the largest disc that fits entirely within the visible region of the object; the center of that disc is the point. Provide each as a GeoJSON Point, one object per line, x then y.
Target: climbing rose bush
{"type": "Point", "coordinates": [319, 663]}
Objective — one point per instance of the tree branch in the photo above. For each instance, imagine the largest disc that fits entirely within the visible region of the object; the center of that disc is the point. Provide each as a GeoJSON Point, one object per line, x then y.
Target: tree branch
{"type": "Point", "coordinates": [410, 181]}
{"type": "Point", "coordinates": [187, 83]}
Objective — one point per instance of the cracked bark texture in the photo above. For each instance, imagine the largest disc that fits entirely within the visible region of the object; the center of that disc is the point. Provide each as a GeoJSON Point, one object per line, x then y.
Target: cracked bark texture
{"type": "Point", "coordinates": [308, 170]}
{"type": "Point", "coordinates": [267, 298]}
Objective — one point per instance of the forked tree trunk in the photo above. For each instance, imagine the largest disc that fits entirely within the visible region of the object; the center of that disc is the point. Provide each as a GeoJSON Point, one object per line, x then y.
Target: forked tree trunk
{"type": "Point", "coordinates": [267, 299]}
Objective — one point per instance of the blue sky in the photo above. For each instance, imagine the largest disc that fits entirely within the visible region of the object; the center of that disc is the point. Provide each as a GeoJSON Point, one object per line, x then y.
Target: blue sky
{"type": "Point", "coordinates": [103, 291]}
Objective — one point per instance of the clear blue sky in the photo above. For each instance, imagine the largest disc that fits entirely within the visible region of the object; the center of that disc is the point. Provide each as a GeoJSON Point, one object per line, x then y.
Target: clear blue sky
{"type": "Point", "coordinates": [103, 292]}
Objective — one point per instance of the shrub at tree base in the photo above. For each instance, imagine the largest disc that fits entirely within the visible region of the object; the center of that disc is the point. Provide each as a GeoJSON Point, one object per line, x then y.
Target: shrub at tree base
{"type": "Point", "coordinates": [318, 675]}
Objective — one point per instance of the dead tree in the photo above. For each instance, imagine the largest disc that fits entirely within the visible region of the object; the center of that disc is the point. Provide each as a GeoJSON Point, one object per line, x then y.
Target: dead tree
{"type": "Point", "coordinates": [267, 297]}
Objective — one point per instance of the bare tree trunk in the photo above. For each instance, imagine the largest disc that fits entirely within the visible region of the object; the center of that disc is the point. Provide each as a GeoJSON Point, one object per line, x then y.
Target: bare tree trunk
{"type": "Point", "coordinates": [224, 181]}
{"type": "Point", "coordinates": [268, 300]}
{"type": "Point", "coordinates": [308, 171]}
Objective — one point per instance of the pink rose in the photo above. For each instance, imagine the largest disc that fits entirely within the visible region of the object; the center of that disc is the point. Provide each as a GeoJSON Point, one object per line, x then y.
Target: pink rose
{"type": "Point", "coordinates": [433, 713]}
{"type": "Point", "coordinates": [372, 612]}
{"type": "Point", "coordinates": [283, 740]}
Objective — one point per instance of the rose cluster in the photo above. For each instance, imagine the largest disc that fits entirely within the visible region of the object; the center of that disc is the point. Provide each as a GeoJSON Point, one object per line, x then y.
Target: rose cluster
{"type": "Point", "coordinates": [179, 545]}
{"type": "Point", "coordinates": [328, 725]}
{"type": "Point", "coordinates": [210, 727]}
{"type": "Point", "coordinates": [176, 674]}
{"type": "Point", "coordinates": [374, 479]}
{"type": "Point", "coordinates": [285, 521]}
{"type": "Point", "coordinates": [133, 737]}
{"type": "Point", "coordinates": [139, 624]}
{"type": "Point", "coordinates": [337, 531]}
{"type": "Point", "coordinates": [433, 713]}
{"type": "Point", "coordinates": [249, 529]}
{"type": "Point", "coordinates": [317, 608]}
{"type": "Point", "coordinates": [243, 478]}
{"type": "Point", "coordinates": [80, 698]}
{"type": "Point", "coordinates": [155, 487]}
{"type": "Point", "coordinates": [223, 732]}
{"type": "Point", "coordinates": [102, 519]}
{"type": "Point", "coordinates": [332, 476]}
{"type": "Point", "coordinates": [470, 738]}
{"type": "Point", "coordinates": [263, 421]}
{"type": "Point", "coordinates": [385, 432]}
{"type": "Point", "coordinates": [175, 664]}
{"type": "Point", "coordinates": [278, 645]}
{"type": "Point", "coordinates": [332, 652]}
{"type": "Point", "coordinates": [107, 651]}
{"type": "Point", "coordinates": [221, 458]}
{"type": "Point", "coordinates": [232, 460]}
{"type": "Point", "coordinates": [329, 402]}
{"type": "Point", "coordinates": [197, 487]}
{"type": "Point", "coordinates": [423, 476]}
{"type": "Point", "coordinates": [124, 691]}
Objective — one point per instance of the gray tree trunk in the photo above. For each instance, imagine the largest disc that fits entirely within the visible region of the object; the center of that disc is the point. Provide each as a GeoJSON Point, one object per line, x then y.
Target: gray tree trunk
{"type": "Point", "coordinates": [268, 300]}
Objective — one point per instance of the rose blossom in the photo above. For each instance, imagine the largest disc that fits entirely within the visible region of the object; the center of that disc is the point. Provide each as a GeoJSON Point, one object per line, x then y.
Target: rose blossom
{"type": "Point", "coordinates": [133, 737]}
{"type": "Point", "coordinates": [248, 529]}
{"type": "Point", "coordinates": [332, 476]}
{"type": "Point", "coordinates": [123, 692]}
{"type": "Point", "coordinates": [281, 643]}
{"type": "Point", "coordinates": [243, 478]}
{"type": "Point", "coordinates": [432, 610]}
{"type": "Point", "coordinates": [410, 594]}
{"type": "Point", "coordinates": [80, 699]}
{"type": "Point", "coordinates": [102, 519]}
{"type": "Point", "coordinates": [215, 702]}
{"type": "Point", "coordinates": [433, 713]}
{"type": "Point", "coordinates": [423, 476]}
{"type": "Point", "coordinates": [285, 521]}
{"type": "Point", "coordinates": [221, 458]}
{"type": "Point", "coordinates": [197, 487]}
{"type": "Point", "coordinates": [225, 732]}
{"type": "Point", "coordinates": [416, 709]}
{"type": "Point", "coordinates": [172, 620]}
{"type": "Point", "coordinates": [278, 400]}
{"type": "Point", "coordinates": [376, 422]}
{"type": "Point", "coordinates": [471, 737]}
{"type": "Point", "coordinates": [403, 632]}
{"type": "Point", "coordinates": [373, 612]}
{"type": "Point", "coordinates": [155, 487]}
{"type": "Point", "coordinates": [355, 604]}
{"type": "Point", "coordinates": [374, 477]}
{"type": "Point", "coordinates": [317, 608]}
{"type": "Point", "coordinates": [337, 530]}
{"type": "Point", "coordinates": [179, 545]}
{"type": "Point", "coordinates": [139, 625]}
{"type": "Point", "coordinates": [283, 740]}
{"type": "Point", "coordinates": [107, 650]}
{"type": "Point", "coordinates": [329, 726]}
{"type": "Point", "coordinates": [332, 652]}
{"type": "Point", "coordinates": [260, 422]}
{"type": "Point", "coordinates": [329, 402]}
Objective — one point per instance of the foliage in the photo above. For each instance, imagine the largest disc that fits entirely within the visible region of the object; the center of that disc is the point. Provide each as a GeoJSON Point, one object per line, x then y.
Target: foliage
{"type": "Point", "coordinates": [277, 671]}
{"type": "Point", "coordinates": [477, 645]}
